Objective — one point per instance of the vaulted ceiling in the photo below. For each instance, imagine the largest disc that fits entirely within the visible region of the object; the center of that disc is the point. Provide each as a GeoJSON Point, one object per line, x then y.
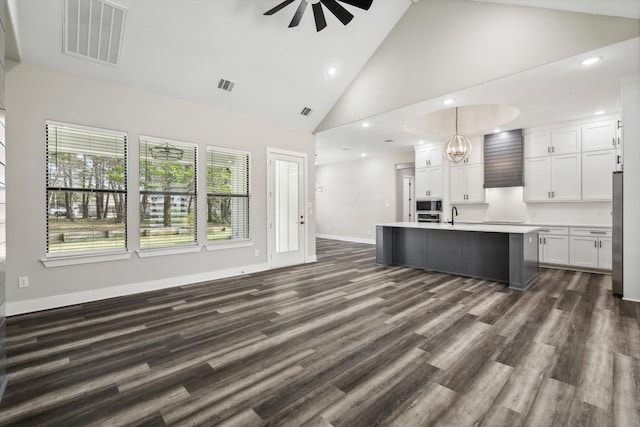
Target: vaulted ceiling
{"type": "Point", "coordinates": [397, 59]}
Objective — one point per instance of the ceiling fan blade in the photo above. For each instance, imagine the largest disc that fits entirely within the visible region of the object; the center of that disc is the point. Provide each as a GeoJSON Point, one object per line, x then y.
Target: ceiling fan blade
{"type": "Point", "coordinates": [340, 12]}
{"type": "Point", "coordinates": [281, 6]}
{"type": "Point", "coordinates": [362, 4]}
{"type": "Point", "coordinates": [298, 15]}
{"type": "Point", "coordinates": [318, 14]}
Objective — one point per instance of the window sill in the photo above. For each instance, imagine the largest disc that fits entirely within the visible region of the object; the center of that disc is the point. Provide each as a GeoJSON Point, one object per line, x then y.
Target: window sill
{"type": "Point", "coordinates": [63, 261]}
{"type": "Point", "coordinates": [148, 253]}
{"type": "Point", "coordinates": [229, 245]}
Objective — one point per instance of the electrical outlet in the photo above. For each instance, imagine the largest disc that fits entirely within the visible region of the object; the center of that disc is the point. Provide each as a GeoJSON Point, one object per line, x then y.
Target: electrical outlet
{"type": "Point", "coordinates": [23, 282]}
{"type": "Point", "coordinates": [257, 252]}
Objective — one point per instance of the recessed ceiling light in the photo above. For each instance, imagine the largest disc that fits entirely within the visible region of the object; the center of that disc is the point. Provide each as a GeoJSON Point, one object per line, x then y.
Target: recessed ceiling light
{"type": "Point", "coordinates": [366, 124]}
{"type": "Point", "coordinates": [599, 113]}
{"type": "Point", "coordinates": [332, 71]}
{"type": "Point", "coordinates": [363, 155]}
{"type": "Point", "coordinates": [448, 101]}
{"type": "Point", "coordinates": [591, 61]}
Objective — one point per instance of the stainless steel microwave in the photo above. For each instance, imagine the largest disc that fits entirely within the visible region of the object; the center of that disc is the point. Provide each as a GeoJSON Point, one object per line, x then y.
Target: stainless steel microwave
{"type": "Point", "coordinates": [429, 206]}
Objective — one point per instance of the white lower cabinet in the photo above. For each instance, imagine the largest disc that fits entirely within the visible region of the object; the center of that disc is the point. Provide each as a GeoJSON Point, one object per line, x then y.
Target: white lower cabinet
{"type": "Point", "coordinates": [553, 246]}
{"type": "Point", "coordinates": [590, 248]}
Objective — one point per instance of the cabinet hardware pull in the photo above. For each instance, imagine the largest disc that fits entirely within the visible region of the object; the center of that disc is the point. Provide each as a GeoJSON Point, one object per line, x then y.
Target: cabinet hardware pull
{"type": "Point", "coordinates": [598, 232]}
{"type": "Point", "coordinates": [600, 243]}
{"type": "Point", "coordinates": [545, 240]}
{"type": "Point", "coordinates": [553, 149]}
{"type": "Point", "coordinates": [548, 149]}
{"type": "Point", "coordinates": [553, 194]}
{"type": "Point", "coordinates": [548, 194]}
{"type": "Point", "coordinates": [595, 243]}
{"type": "Point", "coordinates": [540, 240]}
{"type": "Point", "coordinates": [544, 231]}
{"type": "Point", "coordinates": [613, 142]}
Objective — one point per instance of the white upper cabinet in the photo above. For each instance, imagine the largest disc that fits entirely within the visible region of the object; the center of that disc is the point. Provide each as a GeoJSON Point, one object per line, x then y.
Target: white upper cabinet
{"type": "Point", "coordinates": [477, 151]}
{"type": "Point", "coordinates": [537, 179]}
{"type": "Point", "coordinates": [429, 183]}
{"type": "Point", "coordinates": [558, 141]}
{"type": "Point", "coordinates": [537, 144]}
{"type": "Point", "coordinates": [580, 160]}
{"type": "Point", "coordinates": [597, 167]}
{"type": "Point", "coordinates": [600, 135]}
{"type": "Point", "coordinates": [552, 178]}
{"type": "Point", "coordinates": [466, 179]}
{"type": "Point", "coordinates": [429, 156]}
{"type": "Point", "coordinates": [566, 140]}
{"type": "Point", "coordinates": [566, 184]}
{"type": "Point", "coordinates": [429, 172]}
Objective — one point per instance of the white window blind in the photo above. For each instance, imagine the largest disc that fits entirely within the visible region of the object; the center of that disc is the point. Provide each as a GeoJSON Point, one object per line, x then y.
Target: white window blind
{"type": "Point", "coordinates": [228, 195]}
{"type": "Point", "coordinates": [86, 189]}
{"type": "Point", "coordinates": [168, 193]}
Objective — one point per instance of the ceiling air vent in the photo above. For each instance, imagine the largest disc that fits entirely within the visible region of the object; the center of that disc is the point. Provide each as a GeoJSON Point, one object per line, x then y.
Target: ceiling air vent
{"type": "Point", "coordinates": [226, 85]}
{"type": "Point", "coordinates": [93, 29]}
{"type": "Point", "coordinates": [306, 111]}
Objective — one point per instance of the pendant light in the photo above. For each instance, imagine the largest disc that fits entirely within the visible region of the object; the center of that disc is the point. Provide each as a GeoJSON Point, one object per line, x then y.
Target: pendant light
{"type": "Point", "coordinates": [456, 148]}
{"type": "Point", "coordinates": [166, 152]}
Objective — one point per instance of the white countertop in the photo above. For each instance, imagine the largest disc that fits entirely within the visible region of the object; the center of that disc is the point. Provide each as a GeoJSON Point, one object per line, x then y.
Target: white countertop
{"type": "Point", "coordinates": [487, 228]}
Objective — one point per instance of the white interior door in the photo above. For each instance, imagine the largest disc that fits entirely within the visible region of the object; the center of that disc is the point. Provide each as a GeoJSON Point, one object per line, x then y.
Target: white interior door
{"type": "Point", "coordinates": [286, 205]}
{"type": "Point", "coordinates": [408, 199]}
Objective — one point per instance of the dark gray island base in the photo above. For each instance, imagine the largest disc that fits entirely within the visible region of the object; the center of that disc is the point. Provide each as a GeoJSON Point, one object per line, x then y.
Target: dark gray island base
{"type": "Point", "coordinates": [502, 253]}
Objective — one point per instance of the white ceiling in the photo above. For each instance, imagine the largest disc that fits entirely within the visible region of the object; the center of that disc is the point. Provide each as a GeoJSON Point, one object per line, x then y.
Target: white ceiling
{"type": "Point", "coordinates": [552, 93]}
{"type": "Point", "coordinates": [181, 48]}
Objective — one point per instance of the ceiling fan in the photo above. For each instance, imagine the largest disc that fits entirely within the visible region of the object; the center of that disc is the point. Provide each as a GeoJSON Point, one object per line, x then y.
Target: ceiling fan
{"type": "Point", "coordinates": [334, 7]}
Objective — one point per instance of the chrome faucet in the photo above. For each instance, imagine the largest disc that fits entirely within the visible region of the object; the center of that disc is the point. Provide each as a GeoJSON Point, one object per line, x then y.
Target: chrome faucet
{"type": "Point", "coordinates": [453, 209]}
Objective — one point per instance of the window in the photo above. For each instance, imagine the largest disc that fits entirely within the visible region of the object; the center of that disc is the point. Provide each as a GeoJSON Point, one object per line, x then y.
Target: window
{"type": "Point", "coordinates": [227, 195]}
{"type": "Point", "coordinates": [86, 189]}
{"type": "Point", "coordinates": [168, 197]}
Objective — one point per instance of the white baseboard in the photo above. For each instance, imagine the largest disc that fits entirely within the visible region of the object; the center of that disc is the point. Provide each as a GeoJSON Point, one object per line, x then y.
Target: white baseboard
{"type": "Point", "coordinates": [347, 239]}
{"type": "Point", "coordinates": [56, 301]}
{"type": "Point", "coordinates": [630, 299]}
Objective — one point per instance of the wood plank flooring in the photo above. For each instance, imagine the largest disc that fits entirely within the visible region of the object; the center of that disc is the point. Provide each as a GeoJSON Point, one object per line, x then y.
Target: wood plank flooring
{"type": "Point", "coordinates": [341, 342]}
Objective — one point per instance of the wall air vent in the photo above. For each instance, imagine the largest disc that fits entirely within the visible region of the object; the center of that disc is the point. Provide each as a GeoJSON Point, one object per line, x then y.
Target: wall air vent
{"type": "Point", "coordinates": [93, 29]}
{"type": "Point", "coordinates": [226, 85]}
{"type": "Point", "coordinates": [306, 111]}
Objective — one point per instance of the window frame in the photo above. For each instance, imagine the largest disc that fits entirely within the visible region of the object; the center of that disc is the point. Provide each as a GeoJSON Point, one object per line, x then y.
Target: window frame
{"type": "Point", "coordinates": [81, 256]}
{"type": "Point", "coordinates": [175, 247]}
{"type": "Point", "coordinates": [213, 244]}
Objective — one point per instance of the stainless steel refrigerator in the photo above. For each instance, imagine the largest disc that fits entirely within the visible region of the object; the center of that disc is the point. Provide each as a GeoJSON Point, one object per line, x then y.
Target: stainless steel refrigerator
{"type": "Point", "coordinates": [617, 233]}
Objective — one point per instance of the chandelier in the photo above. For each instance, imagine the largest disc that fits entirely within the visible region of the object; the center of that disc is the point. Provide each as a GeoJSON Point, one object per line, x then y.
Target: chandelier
{"type": "Point", "coordinates": [166, 152]}
{"type": "Point", "coordinates": [456, 148]}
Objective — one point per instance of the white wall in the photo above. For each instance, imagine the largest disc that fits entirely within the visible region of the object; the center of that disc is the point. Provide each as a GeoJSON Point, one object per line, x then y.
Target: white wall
{"type": "Point", "coordinates": [505, 204]}
{"type": "Point", "coordinates": [356, 196]}
{"type": "Point", "coordinates": [37, 94]}
{"type": "Point", "coordinates": [631, 187]}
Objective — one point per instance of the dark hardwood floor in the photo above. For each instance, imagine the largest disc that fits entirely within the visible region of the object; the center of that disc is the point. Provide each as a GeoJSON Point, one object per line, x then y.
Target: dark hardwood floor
{"type": "Point", "coordinates": [340, 342]}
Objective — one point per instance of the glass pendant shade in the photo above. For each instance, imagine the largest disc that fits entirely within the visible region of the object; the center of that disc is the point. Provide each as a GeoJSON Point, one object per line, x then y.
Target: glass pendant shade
{"type": "Point", "coordinates": [456, 148]}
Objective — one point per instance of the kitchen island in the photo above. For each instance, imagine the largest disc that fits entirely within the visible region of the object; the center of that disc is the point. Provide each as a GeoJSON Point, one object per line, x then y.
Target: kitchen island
{"type": "Point", "coordinates": [504, 253]}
